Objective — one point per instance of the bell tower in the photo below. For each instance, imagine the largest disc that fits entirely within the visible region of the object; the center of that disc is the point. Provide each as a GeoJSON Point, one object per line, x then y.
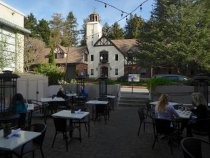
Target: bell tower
{"type": "Point", "coordinates": [93, 29]}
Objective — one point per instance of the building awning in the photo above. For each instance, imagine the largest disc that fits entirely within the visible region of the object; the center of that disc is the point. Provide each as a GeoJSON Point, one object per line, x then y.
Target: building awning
{"type": "Point", "coordinates": [14, 26]}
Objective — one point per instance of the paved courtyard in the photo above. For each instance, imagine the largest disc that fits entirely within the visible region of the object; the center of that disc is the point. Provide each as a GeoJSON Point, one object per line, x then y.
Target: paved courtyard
{"type": "Point", "coordinates": [116, 139]}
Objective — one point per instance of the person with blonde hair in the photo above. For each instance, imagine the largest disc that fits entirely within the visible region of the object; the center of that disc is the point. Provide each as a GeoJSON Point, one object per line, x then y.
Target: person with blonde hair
{"type": "Point", "coordinates": [164, 110]}
{"type": "Point", "coordinates": [200, 109]}
{"type": "Point", "coordinates": [199, 112]}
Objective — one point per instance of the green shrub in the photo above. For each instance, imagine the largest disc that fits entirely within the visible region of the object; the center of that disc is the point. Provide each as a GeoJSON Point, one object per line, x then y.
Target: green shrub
{"type": "Point", "coordinates": [53, 73]}
{"type": "Point", "coordinates": [154, 82]}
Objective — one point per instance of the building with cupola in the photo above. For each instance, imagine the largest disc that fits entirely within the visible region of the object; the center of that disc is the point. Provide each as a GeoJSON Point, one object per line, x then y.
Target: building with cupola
{"type": "Point", "coordinates": [101, 57]}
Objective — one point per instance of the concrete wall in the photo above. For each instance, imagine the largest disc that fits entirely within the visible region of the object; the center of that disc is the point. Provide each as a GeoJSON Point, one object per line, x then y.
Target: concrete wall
{"type": "Point", "coordinates": [92, 89]}
{"type": "Point", "coordinates": [180, 94]}
{"type": "Point", "coordinates": [32, 86]}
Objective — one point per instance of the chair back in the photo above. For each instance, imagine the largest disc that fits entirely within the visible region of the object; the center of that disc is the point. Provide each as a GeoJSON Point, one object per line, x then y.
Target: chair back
{"type": "Point", "coordinates": [39, 127]}
{"type": "Point", "coordinates": [194, 147]}
{"type": "Point", "coordinates": [60, 124]}
{"type": "Point", "coordinates": [202, 125]}
{"type": "Point", "coordinates": [141, 114]}
{"type": "Point", "coordinates": [162, 126]}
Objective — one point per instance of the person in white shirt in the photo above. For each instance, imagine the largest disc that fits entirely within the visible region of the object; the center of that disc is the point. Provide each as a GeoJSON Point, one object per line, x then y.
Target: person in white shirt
{"type": "Point", "coordinates": [164, 110]}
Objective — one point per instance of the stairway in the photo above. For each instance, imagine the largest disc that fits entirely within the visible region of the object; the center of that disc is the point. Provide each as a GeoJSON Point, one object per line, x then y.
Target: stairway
{"type": "Point", "coordinates": [133, 99]}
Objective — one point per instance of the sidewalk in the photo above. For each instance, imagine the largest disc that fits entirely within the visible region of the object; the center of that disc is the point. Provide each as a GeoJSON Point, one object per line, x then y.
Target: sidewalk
{"type": "Point", "coordinates": [134, 89]}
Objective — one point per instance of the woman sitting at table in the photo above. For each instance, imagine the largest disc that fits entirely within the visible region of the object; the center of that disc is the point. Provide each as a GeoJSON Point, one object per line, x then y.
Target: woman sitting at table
{"type": "Point", "coordinates": [20, 108]}
{"type": "Point", "coordinates": [164, 110]}
{"type": "Point", "coordinates": [199, 103]}
{"type": "Point", "coordinates": [199, 111]}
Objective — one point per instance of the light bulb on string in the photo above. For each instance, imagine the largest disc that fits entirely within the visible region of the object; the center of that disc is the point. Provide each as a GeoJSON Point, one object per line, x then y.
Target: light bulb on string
{"type": "Point", "coordinates": [122, 14]}
{"type": "Point", "coordinates": [105, 5]}
{"type": "Point", "coordinates": [140, 7]}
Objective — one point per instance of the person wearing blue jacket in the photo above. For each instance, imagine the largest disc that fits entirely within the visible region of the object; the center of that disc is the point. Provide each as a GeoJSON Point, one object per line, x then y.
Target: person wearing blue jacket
{"type": "Point", "coordinates": [20, 108]}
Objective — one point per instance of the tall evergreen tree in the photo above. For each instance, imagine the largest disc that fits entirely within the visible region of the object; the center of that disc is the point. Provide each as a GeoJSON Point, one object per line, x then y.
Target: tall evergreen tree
{"type": "Point", "coordinates": [56, 29]}
{"type": "Point", "coordinates": [52, 56]}
{"type": "Point", "coordinates": [70, 32]}
{"type": "Point", "coordinates": [174, 38]}
{"type": "Point", "coordinates": [30, 22]}
{"type": "Point", "coordinates": [116, 31]}
{"type": "Point", "coordinates": [106, 30]}
{"type": "Point", "coordinates": [44, 31]}
{"type": "Point", "coordinates": [83, 40]}
{"type": "Point", "coordinates": [133, 27]}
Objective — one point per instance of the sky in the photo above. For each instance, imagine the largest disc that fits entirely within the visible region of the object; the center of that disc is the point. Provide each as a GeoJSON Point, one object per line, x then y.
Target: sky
{"type": "Point", "coordinates": [44, 9]}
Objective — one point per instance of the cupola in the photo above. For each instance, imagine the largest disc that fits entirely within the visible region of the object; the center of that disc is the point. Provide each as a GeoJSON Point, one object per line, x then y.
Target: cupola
{"type": "Point", "coordinates": [94, 17]}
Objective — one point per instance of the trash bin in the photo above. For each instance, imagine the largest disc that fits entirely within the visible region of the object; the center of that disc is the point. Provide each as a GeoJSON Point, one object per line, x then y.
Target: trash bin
{"type": "Point", "coordinates": [201, 84]}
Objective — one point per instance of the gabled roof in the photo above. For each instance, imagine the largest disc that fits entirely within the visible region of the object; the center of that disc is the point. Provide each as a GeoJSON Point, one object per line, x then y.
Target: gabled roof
{"type": "Point", "coordinates": [124, 45]}
{"type": "Point", "coordinates": [103, 41]}
{"type": "Point", "coordinates": [74, 54]}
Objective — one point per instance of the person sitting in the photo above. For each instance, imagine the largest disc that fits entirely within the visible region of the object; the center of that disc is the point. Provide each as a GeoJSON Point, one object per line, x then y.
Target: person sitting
{"type": "Point", "coordinates": [199, 111]}
{"type": "Point", "coordinates": [84, 94]}
{"type": "Point", "coordinates": [20, 108]}
{"type": "Point", "coordinates": [61, 94]}
{"type": "Point", "coordinates": [164, 110]}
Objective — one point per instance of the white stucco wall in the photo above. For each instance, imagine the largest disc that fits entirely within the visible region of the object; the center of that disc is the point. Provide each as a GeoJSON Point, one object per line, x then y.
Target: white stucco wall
{"type": "Point", "coordinates": [11, 14]}
{"type": "Point", "coordinates": [11, 39]}
{"type": "Point", "coordinates": [111, 62]}
{"type": "Point", "coordinates": [93, 33]}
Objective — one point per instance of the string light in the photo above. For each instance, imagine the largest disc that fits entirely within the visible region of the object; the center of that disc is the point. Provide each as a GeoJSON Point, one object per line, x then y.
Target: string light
{"type": "Point", "coordinates": [123, 12]}
{"type": "Point", "coordinates": [106, 4]}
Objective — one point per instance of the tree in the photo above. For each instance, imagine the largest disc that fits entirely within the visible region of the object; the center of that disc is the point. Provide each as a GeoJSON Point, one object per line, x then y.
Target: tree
{"type": "Point", "coordinates": [106, 30]}
{"type": "Point", "coordinates": [32, 52]}
{"type": "Point", "coordinates": [44, 31]}
{"type": "Point", "coordinates": [116, 31]}
{"type": "Point", "coordinates": [175, 37]}
{"type": "Point", "coordinates": [70, 32]}
{"type": "Point", "coordinates": [133, 27]}
{"type": "Point", "coordinates": [52, 57]}
{"type": "Point", "coordinates": [30, 22]}
{"type": "Point", "coordinates": [83, 40]}
{"type": "Point", "coordinates": [56, 29]}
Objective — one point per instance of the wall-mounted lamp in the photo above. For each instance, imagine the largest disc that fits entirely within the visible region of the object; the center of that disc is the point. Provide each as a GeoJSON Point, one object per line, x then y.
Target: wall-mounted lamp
{"type": "Point", "coordinates": [13, 13]}
{"type": "Point", "coordinates": [101, 58]}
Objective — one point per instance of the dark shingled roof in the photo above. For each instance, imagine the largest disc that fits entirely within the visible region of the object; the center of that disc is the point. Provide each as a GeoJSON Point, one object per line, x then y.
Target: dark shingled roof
{"type": "Point", "coordinates": [124, 45]}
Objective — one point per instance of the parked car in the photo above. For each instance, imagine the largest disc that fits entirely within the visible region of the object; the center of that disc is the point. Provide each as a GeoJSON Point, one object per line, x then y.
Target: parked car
{"type": "Point", "coordinates": [175, 77]}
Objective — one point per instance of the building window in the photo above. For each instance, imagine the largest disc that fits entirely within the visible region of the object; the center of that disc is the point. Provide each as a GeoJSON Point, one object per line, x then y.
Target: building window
{"type": "Point", "coordinates": [91, 71]}
{"type": "Point", "coordinates": [116, 57]}
{"type": "Point", "coordinates": [92, 57]}
{"type": "Point", "coordinates": [116, 71]}
{"type": "Point", "coordinates": [103, 57]}
{"type": "Point", "coordinates": [86, 57]}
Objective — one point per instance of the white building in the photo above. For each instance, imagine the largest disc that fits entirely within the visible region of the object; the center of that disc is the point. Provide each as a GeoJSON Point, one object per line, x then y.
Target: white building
{"type": "Point", "coordinates": [11, 38]}
{"type": "Point", "coordinates": [106, 58]}
{"type": "Point", "coordinates": [101, 57]}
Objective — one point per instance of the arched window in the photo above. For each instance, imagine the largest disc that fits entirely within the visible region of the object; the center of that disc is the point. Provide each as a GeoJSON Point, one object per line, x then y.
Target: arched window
{"type": "Point", "coordinates": [104, 57]}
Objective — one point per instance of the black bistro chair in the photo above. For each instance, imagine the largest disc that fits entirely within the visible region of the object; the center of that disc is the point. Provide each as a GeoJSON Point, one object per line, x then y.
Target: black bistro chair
{"type": "Point", "coordinates": [201, 127]}
{"type": "Point", "coordinates": [195, 148]}
{"type": "Point", "coordinates": [143, 119]}
{"type": "Point", "coordinates": [35, 144]}
{"type": "Point", "coordinates": [102, 110]}
{"type": "Point", "coordinates": [61, 127]}
{"type": "Point", "coordinates": [164, 130]}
